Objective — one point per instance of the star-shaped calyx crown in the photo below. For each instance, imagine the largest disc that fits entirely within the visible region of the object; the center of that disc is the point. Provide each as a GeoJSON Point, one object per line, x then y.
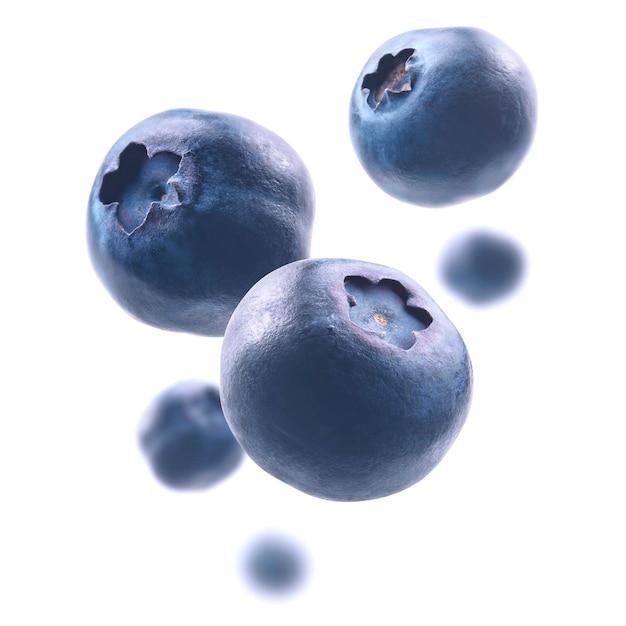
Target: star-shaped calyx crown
{"type": "Point", "coordinates": [138, 182]}
{"type": "Point", "coordinates": [390, 75]}
{"type": "Point", "coordinates": [382, 308]}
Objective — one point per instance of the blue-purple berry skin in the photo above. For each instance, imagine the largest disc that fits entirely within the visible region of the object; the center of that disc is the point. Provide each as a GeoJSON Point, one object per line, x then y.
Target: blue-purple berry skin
{"type": "Point", "coordinates": [274, 565]}
{"type": "Point", "coordinates": [185, 438]}
{"type": "Point", "coordinates": [482, 266]}
{"type": "Point", "coordinates": [441, 116]}
{"type": "Point", "coordinates": [189, 209]}
{"type": "Point", "coordinates": [344, 379]}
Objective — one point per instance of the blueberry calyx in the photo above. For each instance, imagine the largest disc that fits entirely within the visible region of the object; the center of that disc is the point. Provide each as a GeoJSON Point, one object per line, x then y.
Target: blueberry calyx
{"type": "Point", "coordinates": [382, 308]}
{"type": "Point", "coordinates": [391, 76]}
{"type": "Point", "coordinates": [138, 183]}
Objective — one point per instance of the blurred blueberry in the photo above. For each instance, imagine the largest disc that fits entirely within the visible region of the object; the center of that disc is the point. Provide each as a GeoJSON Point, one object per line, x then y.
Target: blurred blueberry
{"type": "Point", "coordinates": [186, 439]}
{"type": "Point", "coordinates": [482, 266]}
{"type": "Point", "coordinates": [274, 564]}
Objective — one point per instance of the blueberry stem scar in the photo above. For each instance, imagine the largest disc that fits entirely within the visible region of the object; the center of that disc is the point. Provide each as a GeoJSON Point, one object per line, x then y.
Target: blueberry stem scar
{"type": "Point", "coordinates": [390, 75]}
{"type": "Point", "coordinates": [139, 181]}
{"type": "Point", "coordinates": [382, 308]}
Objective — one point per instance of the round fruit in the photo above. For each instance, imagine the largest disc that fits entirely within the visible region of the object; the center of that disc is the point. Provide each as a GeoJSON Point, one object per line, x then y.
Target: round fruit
{"type": "Point", "coordinates": [344, 378]}
{"type": "Point", "coordinates": [482, 266]}
{"type": "Point", "coordinates": [186, 439]}
{"type": "Point", "coordinates": [189, 209]}
{"type": "Point", "coordinates": [443, 115]}
{"type": "Point", "coordinates": [274, 564]}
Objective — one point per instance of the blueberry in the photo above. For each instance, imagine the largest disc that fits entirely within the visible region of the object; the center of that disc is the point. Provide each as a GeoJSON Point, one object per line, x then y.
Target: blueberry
{"type": "Point", "coordinates": [189, 209]}
{"type": "Point", "coordinates": [482, 266]}
{"type": "Point", "coordinates": [443, 115]}
{"type": "Point", "coordinates": [186, 439]}
{"type": "Point", "coordinates": [344, 378]}
{"type": "Point", "coordinates": [274, 564]}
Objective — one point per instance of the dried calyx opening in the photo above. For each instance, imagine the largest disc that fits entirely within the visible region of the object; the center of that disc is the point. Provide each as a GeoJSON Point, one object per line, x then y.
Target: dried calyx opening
{"type": "Point", "coordinates": [390, 75]}
{"type": "Point", "coordinates": [139, 182]}
{"type": "Point", "coordinates": [381, 307]}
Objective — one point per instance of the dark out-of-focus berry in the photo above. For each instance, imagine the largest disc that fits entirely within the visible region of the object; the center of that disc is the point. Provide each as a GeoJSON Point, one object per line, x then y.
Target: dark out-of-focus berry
{"type": "Point", "coordinates": [274, 564]}
{"type": "Point", "coordinates": [186, 439]}
{"type": "Point", "coordinates": [482, 266]}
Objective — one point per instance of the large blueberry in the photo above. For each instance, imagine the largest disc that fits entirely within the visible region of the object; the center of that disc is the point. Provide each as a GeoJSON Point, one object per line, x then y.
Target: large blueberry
{"type": "Point", "coordinates": [185, 438]}
{"type": "Point", "coordinates": [344, 378]}
{"type": "Point", "coordinates": [189, 209]}
{"type": "Point", "coordinates": [443, 115]}
{"type": "Point", "coordinates": [482, 266]}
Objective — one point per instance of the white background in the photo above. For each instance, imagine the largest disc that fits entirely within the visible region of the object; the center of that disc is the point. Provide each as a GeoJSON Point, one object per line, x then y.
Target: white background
{"type": "Point", "coordinates": [522, 522]}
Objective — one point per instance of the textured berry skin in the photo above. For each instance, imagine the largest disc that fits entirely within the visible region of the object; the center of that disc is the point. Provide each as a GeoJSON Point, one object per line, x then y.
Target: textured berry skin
{"type": "Point", "coordinates": [273, 564]}
{"type": "Point", "coordinates": [344, 378]}
{"type": "Point", "coordinates": [482, 266]}
{"type": "Point", "coordinates": [186, 439]}
{"type": "Point", "coordinates": [444, 115]}
{"type": "Point", "coordinates": [189, 209]}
